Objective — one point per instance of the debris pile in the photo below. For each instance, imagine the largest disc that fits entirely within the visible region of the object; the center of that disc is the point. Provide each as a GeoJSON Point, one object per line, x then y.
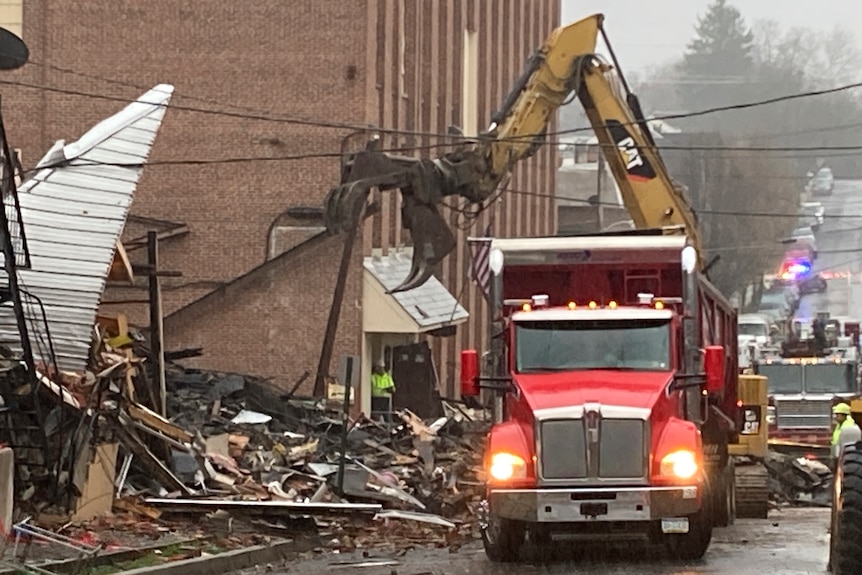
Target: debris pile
{"type": "Point", "coordinates": [799, 480]}
{"type": "Point", "coordinates": [230, 447]}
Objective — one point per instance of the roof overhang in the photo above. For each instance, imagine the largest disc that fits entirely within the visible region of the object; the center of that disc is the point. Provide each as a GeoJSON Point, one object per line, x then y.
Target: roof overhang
{"type": "Point", "coordinates": [425, 309]}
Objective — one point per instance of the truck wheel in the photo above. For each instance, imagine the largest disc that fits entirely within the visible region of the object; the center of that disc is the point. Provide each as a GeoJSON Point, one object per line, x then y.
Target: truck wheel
{"type": "Point", "coordinates": [503, 539]}
{"type": "Point", "coordinates": [724, 506]}
{"type": "Point", "coordinates": [692, 546]}
{"type": "Point", "coordinates": [846, 540]}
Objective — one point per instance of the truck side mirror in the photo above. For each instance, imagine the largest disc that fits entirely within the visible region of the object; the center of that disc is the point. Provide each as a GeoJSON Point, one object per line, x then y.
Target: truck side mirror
{"type": "Point", "coordinates": [469, 373]}
{"type": "Point", "coordinates": [714, 366]}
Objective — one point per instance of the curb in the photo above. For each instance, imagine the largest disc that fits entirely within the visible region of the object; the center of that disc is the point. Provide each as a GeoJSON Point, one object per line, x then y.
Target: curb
{"type": "Point", "coordinates": [226, 562]}
{"type": "Point", "coordinates": [64, 565]}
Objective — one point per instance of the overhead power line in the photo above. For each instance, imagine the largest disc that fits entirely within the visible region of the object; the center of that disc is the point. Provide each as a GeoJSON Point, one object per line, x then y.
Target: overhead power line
{"type": "Point", "coordinates": [267, 117]}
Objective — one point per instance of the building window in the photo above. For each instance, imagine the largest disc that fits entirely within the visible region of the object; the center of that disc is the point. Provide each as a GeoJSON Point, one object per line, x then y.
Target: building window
{"type": "Point", "coordinates": [12, 16]}
{"type": "Point", "coordinates": [470, 84]}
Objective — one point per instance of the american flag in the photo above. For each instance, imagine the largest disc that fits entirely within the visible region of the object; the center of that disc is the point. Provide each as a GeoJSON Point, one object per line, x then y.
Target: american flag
{"type": "Point", "coordinates": [481, 272]}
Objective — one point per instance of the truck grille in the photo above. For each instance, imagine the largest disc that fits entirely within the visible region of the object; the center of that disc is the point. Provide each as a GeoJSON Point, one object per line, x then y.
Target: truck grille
{"type": "Point", "coordinates": [804, 413]}
{"type": "Point", "coordinates": [566, 452]}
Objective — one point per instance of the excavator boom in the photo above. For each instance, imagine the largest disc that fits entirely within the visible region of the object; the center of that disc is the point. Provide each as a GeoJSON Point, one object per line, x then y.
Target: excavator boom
{"type": "Point", "coordinates": [565, 65]}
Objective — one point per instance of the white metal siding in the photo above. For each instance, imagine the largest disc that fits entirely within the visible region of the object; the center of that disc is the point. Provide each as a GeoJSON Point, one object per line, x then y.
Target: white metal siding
{"type": "Point", "coordinates": [73, 213]}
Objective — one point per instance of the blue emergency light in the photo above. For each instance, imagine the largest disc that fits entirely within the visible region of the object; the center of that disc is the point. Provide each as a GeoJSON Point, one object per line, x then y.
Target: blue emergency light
{"type": "Point", "coordinates": [796, 270]}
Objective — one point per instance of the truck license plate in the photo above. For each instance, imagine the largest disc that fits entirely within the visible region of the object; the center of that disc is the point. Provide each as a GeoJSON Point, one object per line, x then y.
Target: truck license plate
{"type": "Point", "coordinates": [674, 525]}
{"type": "Point", "coordinates": [593, 510]}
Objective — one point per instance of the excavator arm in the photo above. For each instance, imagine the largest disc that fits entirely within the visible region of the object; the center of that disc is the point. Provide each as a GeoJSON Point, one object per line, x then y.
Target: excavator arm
{"type": "Point", "coordinates": [565, 65]}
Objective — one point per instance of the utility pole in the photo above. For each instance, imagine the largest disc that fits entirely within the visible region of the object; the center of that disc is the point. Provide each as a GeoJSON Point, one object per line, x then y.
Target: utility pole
{"type": "Point", "coordinates": [599, 204]}
{"type": "Point", "coordinates": [157, 333]}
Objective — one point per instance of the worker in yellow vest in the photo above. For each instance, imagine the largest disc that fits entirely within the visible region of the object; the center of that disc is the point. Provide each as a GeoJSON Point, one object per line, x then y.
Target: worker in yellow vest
{"type": "Point", "coordinates": [382, 388]}
{"type": "Point", "coordinates": [843, 420]}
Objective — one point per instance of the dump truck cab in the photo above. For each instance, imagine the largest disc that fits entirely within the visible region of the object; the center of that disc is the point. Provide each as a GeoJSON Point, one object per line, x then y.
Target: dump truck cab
{"type": "Point", "coordinates": [614, 368]}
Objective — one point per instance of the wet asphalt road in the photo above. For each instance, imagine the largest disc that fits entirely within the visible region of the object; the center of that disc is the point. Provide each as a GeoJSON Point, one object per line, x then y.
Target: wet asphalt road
{"type": "Point", "coordinates": [839, 246]}
{"type": "Point", "coordinates": [790, 542]}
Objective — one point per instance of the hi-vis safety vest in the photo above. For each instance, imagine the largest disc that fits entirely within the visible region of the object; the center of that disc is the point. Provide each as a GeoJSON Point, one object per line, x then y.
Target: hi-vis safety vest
{"type": "Point", "coordinates": [837, 432]}
{"type": "Point", "coordinates": [382, 385]}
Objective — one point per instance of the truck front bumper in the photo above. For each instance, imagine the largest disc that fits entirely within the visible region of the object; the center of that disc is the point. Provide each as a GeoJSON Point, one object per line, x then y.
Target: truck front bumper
{"type": "Point", "coordinates": [601, 504]}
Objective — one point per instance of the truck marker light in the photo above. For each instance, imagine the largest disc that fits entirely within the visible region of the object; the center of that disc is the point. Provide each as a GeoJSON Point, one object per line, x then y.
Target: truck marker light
{"type": "Point", "coordinates": [681, 464]}
{"type": "Point", "coordinates": [572, 305]}
{"type": "Point", "coordinates": [593, 305]}
{"type": "Point", "coordinates": [659, 305]}
{"type": "Point", "coordinates": [612, 304]}
{"type": "Point", "coordinates": [506, 466]}
{"type": "Point", "coordinates": [526, 307]}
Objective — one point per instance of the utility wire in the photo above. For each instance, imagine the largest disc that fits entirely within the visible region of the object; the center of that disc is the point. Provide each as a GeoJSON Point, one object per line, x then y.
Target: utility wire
{"type": "Point", "coordinates": [697, 211]}
{"type": "Point", "coordinates": [323, 155]}
{"type": "Point", "coordinates": [258, 112]}
{"type": "Point", "coordinates": [347, 126]}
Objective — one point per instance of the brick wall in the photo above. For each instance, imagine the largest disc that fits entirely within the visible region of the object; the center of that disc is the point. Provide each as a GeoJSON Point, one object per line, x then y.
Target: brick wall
{"type": "Point", "coordinates": [421, 91]}
{"type": "Point", "coordinates": [391, 63]}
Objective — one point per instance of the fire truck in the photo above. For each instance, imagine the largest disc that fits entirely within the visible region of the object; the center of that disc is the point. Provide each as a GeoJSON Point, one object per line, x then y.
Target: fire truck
{"type": "Point", "coordinates": [807, 375]}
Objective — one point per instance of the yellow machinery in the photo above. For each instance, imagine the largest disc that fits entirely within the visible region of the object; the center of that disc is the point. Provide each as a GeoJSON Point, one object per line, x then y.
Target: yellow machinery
{"type": "Point", "coordinates": [565, 66]}
{"type": "Point", "coordinates": [752, 479]}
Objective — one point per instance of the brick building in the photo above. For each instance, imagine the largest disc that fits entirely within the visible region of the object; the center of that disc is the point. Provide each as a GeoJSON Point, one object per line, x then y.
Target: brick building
{"type": "Point", "coordinates": [262, 83]}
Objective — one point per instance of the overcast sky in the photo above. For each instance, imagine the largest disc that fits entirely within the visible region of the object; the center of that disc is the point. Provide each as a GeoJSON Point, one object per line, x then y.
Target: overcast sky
{"type": "Point", "coordinates": [648, 32]}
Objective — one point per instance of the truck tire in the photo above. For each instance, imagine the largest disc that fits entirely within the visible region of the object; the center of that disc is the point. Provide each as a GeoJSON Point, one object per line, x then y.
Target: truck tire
{"type": "Point", "coordinates": [503, 539]}
{"type": "Point", "coordinates": [724, 501]}
{"type": "Point", "coordinates": [692, 546]}
{"type": "Point", "coordinates": [846, 539]}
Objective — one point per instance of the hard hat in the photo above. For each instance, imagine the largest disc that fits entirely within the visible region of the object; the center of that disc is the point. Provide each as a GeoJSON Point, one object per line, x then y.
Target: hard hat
{"type": "Point", "coordinates": [841, 408]}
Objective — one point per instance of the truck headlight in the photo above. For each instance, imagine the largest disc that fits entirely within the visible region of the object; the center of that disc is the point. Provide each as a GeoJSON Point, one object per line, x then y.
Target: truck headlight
{"type": "Point", "coordinates": [506, 466]}
{"type": "Point", "coordinates": [681, 464]}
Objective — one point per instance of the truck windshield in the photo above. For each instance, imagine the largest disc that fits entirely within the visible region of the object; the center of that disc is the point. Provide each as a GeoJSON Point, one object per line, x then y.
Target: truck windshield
{"type": "Point", "coordinates": [830, 378]}
{"type": "Point", "coordinates": [595, 344]}
{"type": "Point", "coordinates": [782, 378]}
{"type": "Point", "coordinates": [754, 329]}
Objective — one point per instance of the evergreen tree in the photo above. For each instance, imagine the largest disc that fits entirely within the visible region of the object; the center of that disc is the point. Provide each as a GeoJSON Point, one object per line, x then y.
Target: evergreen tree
{"type": "Point", "coordinates": [718, 63]}
{"type": "Point", "coordinates": [723, 45]}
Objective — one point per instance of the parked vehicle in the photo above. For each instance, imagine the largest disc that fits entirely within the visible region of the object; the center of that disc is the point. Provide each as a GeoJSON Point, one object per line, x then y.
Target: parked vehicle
{"type": "Point", "coordinates": [752, 335]}
{"type": "Point", "coordinates": [812, 214]}
{"type": "Point", "coordinates": [814, 283]}
{"type": "Point", "coordinates": [822, 183]}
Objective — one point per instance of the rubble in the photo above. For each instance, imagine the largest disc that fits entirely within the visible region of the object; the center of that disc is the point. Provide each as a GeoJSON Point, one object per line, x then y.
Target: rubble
{"type": "Point", "coordinates": [799, 480]}
{"type": "Point", "coordinates": [234, 450]}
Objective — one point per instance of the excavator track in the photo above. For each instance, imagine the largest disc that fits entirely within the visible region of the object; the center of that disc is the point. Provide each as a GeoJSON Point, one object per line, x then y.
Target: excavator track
{"type": "Point", "coordinates": [752, 491]}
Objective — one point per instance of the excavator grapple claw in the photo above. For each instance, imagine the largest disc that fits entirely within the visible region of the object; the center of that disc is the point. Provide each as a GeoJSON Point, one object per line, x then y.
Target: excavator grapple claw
{"type": "Point", "coordinates": [432, 240]}
{"type": "Point", "coordinates": [417, 180]}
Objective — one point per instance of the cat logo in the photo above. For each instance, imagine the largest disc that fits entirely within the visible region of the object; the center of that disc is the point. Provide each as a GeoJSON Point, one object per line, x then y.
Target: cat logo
{"type": "Point", "coordinates": [637, 166]}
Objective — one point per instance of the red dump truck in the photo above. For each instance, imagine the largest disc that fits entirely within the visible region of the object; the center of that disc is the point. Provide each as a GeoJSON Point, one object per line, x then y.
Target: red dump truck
{"type": "Point", "coordinates": [614, 373]}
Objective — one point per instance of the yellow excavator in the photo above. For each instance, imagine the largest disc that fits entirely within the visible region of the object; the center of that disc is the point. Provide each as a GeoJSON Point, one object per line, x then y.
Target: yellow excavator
{"type": "Point", "coordinates": [565, 66]}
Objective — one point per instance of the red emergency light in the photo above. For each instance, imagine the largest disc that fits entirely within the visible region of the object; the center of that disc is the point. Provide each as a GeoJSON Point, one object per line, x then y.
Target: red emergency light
{"type": "Point", "coordinates": [795, 269]}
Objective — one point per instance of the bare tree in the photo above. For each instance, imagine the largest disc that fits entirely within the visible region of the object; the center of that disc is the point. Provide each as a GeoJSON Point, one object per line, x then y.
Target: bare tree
{"type": "Point", "coordinates": [836, 60]}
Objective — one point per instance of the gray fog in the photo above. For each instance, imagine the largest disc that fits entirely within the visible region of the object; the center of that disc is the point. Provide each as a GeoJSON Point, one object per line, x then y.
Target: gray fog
{"type": "Point", "coordinates": [645, 34]}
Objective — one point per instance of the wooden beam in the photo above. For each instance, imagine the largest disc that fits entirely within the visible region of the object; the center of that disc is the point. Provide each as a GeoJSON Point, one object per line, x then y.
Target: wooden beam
{"type": "Point", "coordinates": [121, 267]}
